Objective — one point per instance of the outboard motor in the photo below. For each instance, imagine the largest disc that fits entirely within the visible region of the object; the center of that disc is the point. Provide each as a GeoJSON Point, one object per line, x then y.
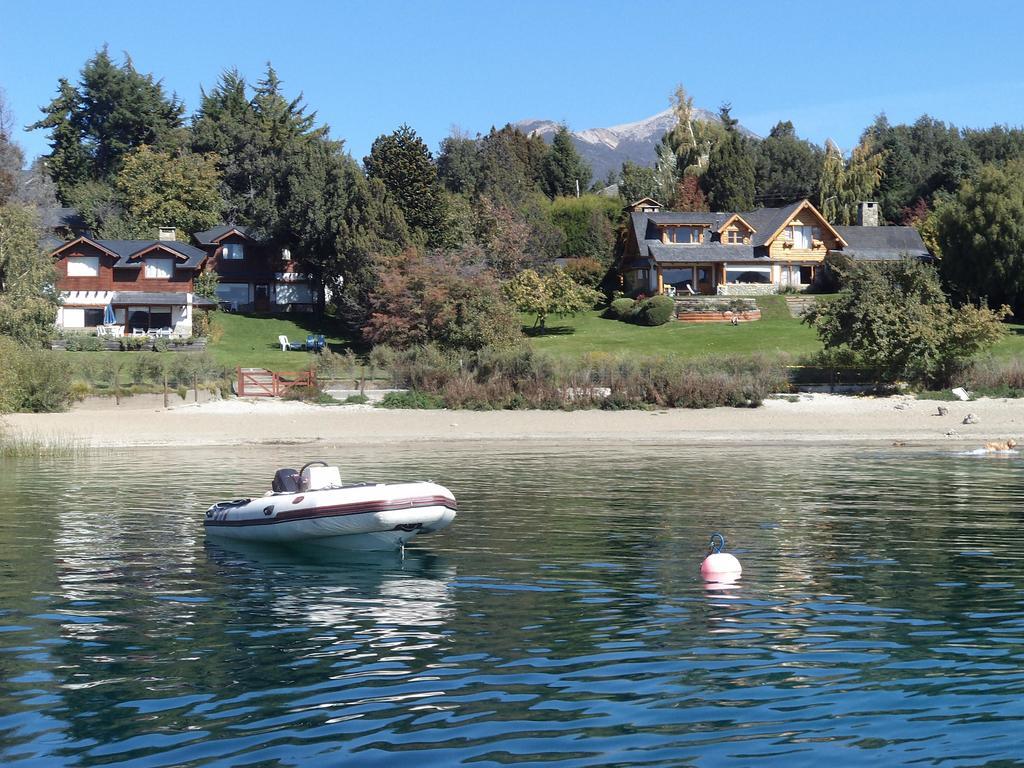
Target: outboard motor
{"type": "Point", "coordinates": [286, 481]}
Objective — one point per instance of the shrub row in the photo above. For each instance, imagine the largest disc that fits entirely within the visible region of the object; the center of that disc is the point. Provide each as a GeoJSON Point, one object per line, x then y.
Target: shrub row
{"type": "Point", "coordinates": [656, 310]}
{"type": "Point", "coordinates": [35, 380]}
{"type": "Point", "coordinates": [494, 379]}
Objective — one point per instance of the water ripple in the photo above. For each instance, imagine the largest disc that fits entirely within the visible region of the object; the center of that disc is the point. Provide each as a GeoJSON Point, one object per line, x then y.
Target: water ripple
{"type": "Point", "coordinates": [880, 619]}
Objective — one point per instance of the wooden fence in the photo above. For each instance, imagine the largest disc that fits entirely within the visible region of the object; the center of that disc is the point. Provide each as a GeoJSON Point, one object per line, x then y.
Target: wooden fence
{"type": "Point", "coordinates": [259, 382]}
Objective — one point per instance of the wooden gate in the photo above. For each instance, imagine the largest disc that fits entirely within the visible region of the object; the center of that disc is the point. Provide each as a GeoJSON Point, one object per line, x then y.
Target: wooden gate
{"type": "Point", "coordinates": [259, 382]}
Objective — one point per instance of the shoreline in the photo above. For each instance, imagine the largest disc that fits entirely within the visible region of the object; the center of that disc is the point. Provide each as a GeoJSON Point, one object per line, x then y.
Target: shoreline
{"type": "Point", "coordinates": [811, 419]}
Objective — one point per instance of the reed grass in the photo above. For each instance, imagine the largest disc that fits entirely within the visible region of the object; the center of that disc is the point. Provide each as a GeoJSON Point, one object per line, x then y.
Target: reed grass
{"type": "Point", "coordinates": [22, 446]}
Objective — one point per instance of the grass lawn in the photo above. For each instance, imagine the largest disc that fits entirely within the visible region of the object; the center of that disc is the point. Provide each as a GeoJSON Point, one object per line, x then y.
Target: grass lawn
{"type": "Point", "coordinates": [250, 341]}
{"type": "Point", "coordinates": [1012, 346]}
{"type": "Point", "coordinates": [776, 333]}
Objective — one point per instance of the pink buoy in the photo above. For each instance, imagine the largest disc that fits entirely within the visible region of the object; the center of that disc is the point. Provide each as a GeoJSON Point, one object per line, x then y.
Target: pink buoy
{"type": "Point", "coordinates": [718, 565]}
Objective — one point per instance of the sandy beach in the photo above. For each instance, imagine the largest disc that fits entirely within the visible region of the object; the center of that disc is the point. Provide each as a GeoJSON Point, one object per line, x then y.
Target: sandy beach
{"type": "Point", "coordinates": [814, 418]}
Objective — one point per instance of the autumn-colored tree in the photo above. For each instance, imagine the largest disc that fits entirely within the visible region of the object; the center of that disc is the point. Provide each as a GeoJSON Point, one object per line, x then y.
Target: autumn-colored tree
{"type": "Point", "coordinates": [689, 196]}
{"type": "Point", "coordinates": [430, 299]}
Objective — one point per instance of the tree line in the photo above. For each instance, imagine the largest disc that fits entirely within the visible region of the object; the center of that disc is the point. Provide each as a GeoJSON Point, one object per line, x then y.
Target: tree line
{"type": "Point", "coordinates": [124, 153]}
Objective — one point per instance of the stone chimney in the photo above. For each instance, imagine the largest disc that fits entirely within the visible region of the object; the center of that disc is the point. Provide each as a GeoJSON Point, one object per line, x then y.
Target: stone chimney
{"type": "Point", "coordinates": [867, 214]}
{"type": "Point", "coordinates": [168, 233]}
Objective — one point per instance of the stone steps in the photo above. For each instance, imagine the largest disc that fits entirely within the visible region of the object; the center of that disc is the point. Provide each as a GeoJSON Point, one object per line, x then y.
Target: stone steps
{"type": "Point", "coordinates": [797, 305]}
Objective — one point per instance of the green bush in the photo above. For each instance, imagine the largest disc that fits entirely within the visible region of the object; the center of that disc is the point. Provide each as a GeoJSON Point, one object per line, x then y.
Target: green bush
{"type": "Point", "coordinates": [585, 271]}
{"type": "Point", "coordinates": [133, 343]}
{"type": "Point", "coordinates": [656, 310]}
{"type": "Point", "coordinates": [412, 399]}
{"type": "Point", "coordinates": [83, 342]}
{"type": "Point", "coordinates": [33, 380]}
{"type": "Point", "coordinates": [621, 309]}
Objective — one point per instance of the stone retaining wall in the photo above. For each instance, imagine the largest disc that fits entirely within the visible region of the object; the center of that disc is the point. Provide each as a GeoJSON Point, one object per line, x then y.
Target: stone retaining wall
{"type": "Point", "coordinates": [747, 289]}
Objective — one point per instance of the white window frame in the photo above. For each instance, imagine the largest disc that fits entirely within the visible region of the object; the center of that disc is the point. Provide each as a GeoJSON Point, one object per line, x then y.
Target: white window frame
{"type": "Point", "coordinates": [83, 266]}
{"type": "Point", "coordinates": [158, 269]}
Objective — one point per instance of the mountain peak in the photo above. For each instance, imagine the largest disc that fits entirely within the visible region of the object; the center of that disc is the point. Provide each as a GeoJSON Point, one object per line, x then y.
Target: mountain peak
{"type": "Point", "coordinates": [606, 149]}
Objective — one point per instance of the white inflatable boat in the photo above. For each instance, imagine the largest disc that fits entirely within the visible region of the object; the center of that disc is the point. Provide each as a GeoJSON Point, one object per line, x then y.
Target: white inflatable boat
{"type": "Point", "coordinates": [312, 505]}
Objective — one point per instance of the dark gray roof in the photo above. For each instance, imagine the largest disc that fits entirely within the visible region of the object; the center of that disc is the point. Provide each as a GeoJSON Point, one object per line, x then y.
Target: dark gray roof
{"type": "Point", "coordinates": [126, 249]}
{"type": "Point", "coordinates": [766, 221]}
{"type": "Point", "coordinates": [882, 243]}
{"type": "Point", "coordinates": [160, 299]}
{"type": "Point", "coordinates": [684, 217]}
{"type": "Point", "coordinates": [210, 236]}
{"type": "Point", "coordinates": [62, 218]}
{"type": "Point", "coordinates": [703, 252]}
{"type": "Point", "coordinates": [863, 243]}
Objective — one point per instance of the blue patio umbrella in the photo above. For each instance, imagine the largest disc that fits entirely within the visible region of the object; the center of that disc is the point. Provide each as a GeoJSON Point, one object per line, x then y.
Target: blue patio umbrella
{"type": "Point", "coordinates": [109, 318]}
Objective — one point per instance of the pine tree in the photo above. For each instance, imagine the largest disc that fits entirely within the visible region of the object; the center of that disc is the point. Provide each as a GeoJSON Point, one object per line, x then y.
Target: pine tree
{"type": "Point", "coordinates": [729, 179]}
{"type": "Point", "coordinates": [68, 161]}
{"type": "Point", "coordinates": [565, 172]}
{"type": "Point", "coordinates": [113, 110]}
{"type": "Point", "coordinates": [404, 165]}
{"type": "Point", "coordinates": [787, 168]}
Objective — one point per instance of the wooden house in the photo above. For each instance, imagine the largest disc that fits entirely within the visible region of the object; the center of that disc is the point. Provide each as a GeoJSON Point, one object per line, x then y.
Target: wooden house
{"type": "Point", "coordinates": [254, 276]}
{"type": "Point", "coordinates": [150, 283]}
{"type": "Point", "coordinates": [748, 253]}
{"type": "Point", "coordinates": [146, 283]}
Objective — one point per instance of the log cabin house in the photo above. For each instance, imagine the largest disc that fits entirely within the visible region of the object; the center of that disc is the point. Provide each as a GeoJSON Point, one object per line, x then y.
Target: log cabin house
{"type": "Point", "coordinates": [149, 284]}
{"type": "Point", "coordinates": [749, 253]}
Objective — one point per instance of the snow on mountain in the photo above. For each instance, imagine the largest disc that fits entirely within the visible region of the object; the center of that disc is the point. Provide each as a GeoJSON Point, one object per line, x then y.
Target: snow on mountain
{"type": "Point", "coordinates": [606, 149]}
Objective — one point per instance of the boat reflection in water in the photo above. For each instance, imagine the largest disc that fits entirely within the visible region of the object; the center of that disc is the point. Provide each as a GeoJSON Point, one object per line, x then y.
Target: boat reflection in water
{"type": "Point", "coordinates": [325, 587]}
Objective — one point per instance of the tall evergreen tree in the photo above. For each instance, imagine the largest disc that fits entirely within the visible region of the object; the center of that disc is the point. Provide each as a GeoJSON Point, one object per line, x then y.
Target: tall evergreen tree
{"type": "Point", "coordinates": [404, 165]}
{"type": "Point", "coordinates": [511, 165]}
{"type": "Point", "coordinates": [459, 165]}
{"type": "Point", "coordinates": [113, 110]}
{"type": "Point", "coordinates": [68, 161]}
{"type": "Point", "coordinates": [787, 168]}
{"type": "Point", "coordinates": [565, 172]}
{"type": "Point", "coordinates": [981, 233]}
{"type": "Point", "coordinates": [729, 180]}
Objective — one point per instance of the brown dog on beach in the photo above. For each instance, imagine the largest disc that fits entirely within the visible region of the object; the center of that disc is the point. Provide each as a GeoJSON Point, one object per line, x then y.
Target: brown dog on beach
{"type": "Point", "coordinates": [999, 446]}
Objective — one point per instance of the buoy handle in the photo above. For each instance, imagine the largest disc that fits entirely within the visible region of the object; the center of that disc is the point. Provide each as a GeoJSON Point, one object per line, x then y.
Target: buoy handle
{"type": "Point", "coordinates": [717, 543]}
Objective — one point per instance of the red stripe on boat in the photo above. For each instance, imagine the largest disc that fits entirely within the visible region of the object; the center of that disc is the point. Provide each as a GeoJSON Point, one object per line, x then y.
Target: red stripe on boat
{"type": "Point", "coordinates": [342, 510]}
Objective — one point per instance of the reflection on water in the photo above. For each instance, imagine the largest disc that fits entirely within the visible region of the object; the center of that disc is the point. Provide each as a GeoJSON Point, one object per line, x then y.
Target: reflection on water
{"type": "Point", "coordinates": [880, 617]}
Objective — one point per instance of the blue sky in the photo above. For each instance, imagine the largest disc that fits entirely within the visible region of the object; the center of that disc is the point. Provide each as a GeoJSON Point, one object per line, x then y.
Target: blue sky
{"type": "Point", "coordinates": [369, 66]}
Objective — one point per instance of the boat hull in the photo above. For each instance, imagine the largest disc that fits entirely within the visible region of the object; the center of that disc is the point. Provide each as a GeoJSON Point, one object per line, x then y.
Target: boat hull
{"type": "Point", "coordinates": [366, 517]}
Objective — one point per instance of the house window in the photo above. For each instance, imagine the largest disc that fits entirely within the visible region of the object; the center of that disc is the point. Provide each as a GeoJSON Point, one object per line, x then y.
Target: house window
{"type": "Point", "coordinates": [748, 275]}
{"type": "Point", "coordinates": [685, 235]}
{"type": "Point", "coordinates": [803, 237]}
{"type": "Point", "coordinates": [806, 275]}
{"type": "Point", "coordinates": [83, 266]}
{"type": "Point", "coordinates": [93, 317]}
{"type": "Point", "coordinates": [159, 268]}
{"type": "Point", "coordinates": [678, 278]}
{"type": "Point", "coordinates": [233, 293]}
{"type": "Point", "coordinates": [734, 236]}
{"type": "Point", "coordinates": [232, 252]}
{"type": "Point", "coordinates": [160, 317]}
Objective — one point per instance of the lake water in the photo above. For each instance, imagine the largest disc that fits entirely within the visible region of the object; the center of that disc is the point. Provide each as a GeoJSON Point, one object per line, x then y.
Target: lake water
{"type": "Point", "coordinates": [560, 621]}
